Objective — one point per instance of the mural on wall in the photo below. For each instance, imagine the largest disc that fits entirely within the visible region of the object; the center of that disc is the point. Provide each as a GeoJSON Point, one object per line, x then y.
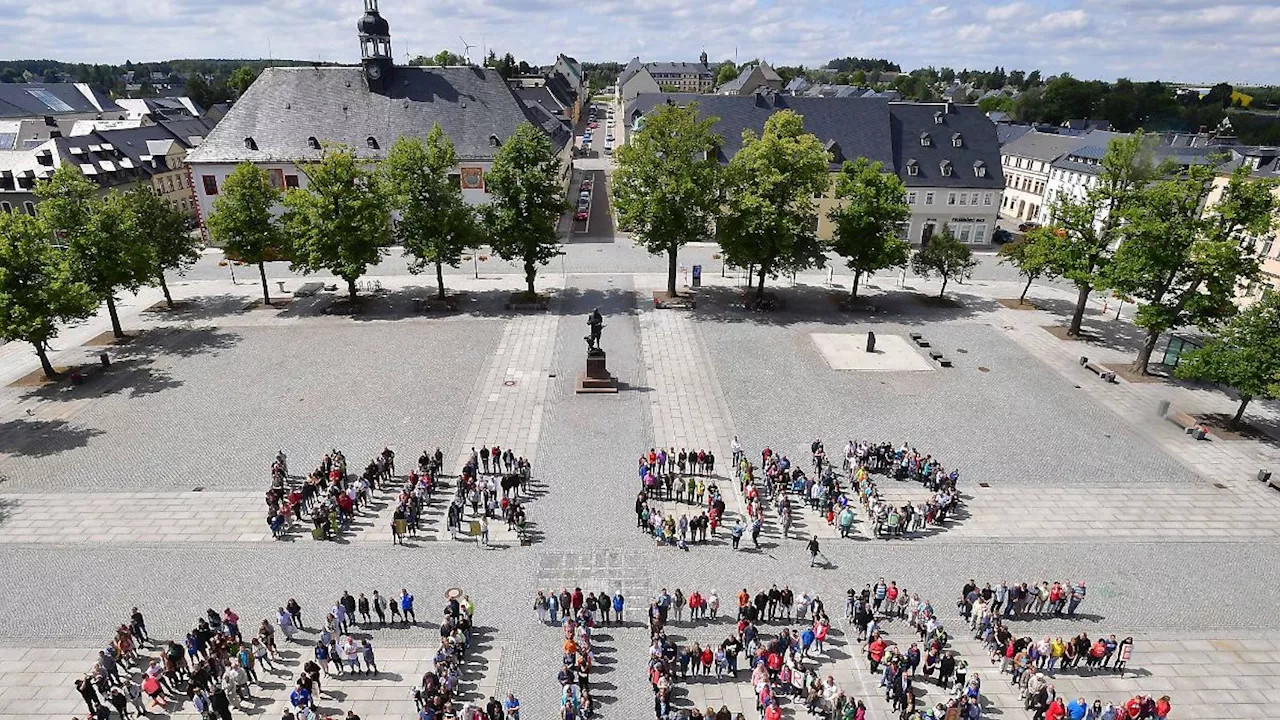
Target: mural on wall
{"type": "Point", "coordinates": [472, 178]}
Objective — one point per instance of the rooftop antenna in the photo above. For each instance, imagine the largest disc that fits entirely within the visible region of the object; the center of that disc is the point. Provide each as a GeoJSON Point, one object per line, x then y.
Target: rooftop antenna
{"type": "Point", "coordinates": [269, 55]}
{"type": "Point", "coordinates": [466, 50]}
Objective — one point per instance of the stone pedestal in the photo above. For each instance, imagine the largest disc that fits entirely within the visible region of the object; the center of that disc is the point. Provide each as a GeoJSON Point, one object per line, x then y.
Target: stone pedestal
{"type": "Point", "coordinates": [597, 378]}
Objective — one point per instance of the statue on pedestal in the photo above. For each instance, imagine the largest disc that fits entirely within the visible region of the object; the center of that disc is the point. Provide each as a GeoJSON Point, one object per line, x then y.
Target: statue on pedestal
{"type": "Point", "coordinates": [597, 378]}
{"type": "Point", "coordinates": [596, 324]}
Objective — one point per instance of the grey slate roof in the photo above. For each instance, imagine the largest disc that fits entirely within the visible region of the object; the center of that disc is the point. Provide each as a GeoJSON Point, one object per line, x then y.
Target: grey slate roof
{"type": "Point", "coordinates": [1008, 132]}
{"type": "Point", "coordinates": [286, 106]}
{"type": "Point", "coordinates": [859, 126]}
{"type": "Point", "coordinates": [978, 144]}
{"type": "Point", "coordinates": [542, 98]}
{"type": "Point", "coordinates": [677, 68]}
{"type": "Point", "coordinates": [40, 99]}
{"type": "Point", "coordinates": [1043, 146]}
{"type": "Point", "coordinates": [797, 85]}
{"type": "Point", "coordinates": [628, 72]}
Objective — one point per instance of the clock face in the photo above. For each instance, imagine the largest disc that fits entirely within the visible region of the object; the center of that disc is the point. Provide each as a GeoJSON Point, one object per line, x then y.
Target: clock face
{"type": "Point", "coordinates": [374, 72]}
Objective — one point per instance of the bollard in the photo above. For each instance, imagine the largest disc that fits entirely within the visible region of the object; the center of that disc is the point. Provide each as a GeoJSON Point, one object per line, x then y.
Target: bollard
{"type": "Point", "coordinates": [1162, 408]}
{"type": "Point", "coordinates": [1083, 361]}
{"type": "Point", "coordinates": [1264, 475]}
{"type": "Point", "coordinates": [102, 358]}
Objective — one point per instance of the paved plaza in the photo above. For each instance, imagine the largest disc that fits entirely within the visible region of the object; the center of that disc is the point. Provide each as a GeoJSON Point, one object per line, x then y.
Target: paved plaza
{"type": "Point", "coordinates": [145, 485]}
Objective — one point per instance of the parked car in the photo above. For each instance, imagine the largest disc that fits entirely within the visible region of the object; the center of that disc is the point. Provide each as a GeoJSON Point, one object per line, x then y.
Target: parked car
{"type": "Point", "coordinates": [1001, 236]}
{"type": "Point", "coordinates": [584, 195]}
{"type": "Point", "coordinates": [586, 185]}
{"type": "Point", "coordinates": [1024, 227]}
{"type": "Point", "coordinates": [581, 214]}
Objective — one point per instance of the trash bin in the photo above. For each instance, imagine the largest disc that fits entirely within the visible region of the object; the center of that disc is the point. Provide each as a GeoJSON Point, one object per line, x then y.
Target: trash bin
{"type": "Point", "coordinates": [1264, 475]}
{"type": "Point", "coordinates": [697, 276]}
{"type": "Point", "coordinates": [1083, 361]}
{"type": "Point", "coordinates": [1162, 408]}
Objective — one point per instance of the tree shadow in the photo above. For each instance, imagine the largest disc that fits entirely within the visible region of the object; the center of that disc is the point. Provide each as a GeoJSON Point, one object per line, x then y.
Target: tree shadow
{"type": "Point", "coordinates": [810, 303]}
{"type": "Point", "coordinates": [42, 438]}
{"type": "Point", "coordinates": [203, 307]}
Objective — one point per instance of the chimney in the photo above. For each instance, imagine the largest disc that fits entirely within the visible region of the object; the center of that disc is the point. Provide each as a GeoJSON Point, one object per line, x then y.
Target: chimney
{"type": "Point", "coordinates": [950, 108]}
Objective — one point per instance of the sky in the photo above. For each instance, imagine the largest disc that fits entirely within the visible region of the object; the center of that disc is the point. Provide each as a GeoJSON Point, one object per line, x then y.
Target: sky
{"type": "Point", "coordinates": [1179, 40]}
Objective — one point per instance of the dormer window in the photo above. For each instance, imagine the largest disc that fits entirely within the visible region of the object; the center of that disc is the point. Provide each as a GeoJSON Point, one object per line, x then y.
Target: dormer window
{"type": "Point", "coordinates": [493, 141]}
{"type": "Point", "coordinates": [979, 169]}
{"type": "Point", "coordinates": [957, 141]}
{"type": "Point", "coordinates": [372, 142]}
{"type": "Point", "coordinates": [924, 139]}
{"type": "Point", "coordinates": [937, 117]}
{"type": "Point", "coordinates": [250, 144]}
{"type": "Point", "coordinates": [913, 167]}
{"type": "Point", "coordinates": [945, 166]}
{"type": "Point", "coordinates": [313, 143]}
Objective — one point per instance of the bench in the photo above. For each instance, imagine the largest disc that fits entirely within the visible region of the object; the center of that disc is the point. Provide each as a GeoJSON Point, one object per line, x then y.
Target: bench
{"type": "Point", "coordinates": [943, 361]}
{"type": "Point", "coordinates": [1099, 370]}
{"type": "Point", "coordinates": [1187, 422]}
{"type": "Point", "coordinates": [308, 289]}
{"type": "Point", "coordinates": [918, 339]}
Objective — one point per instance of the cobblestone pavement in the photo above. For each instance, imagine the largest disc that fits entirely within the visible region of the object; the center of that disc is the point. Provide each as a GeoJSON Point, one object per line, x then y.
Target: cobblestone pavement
{"type": "Point", "coordinates": [1082, 481]}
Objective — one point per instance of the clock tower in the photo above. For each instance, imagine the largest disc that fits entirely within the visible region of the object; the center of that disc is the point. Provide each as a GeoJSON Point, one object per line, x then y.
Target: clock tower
{"type": "Point", "coordinates": [375, 46]}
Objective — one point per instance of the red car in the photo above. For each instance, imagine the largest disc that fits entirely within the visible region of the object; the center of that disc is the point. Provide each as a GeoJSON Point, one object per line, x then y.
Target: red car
{"type": "Point", "coordinates": [580, 215]}
{"type": "Point", "coordinates": [585, 186]}
{"type": "Point", "coordinates": [594, 125]}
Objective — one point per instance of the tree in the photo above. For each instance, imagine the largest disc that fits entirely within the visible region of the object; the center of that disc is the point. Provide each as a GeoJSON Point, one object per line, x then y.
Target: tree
{"type": "Point", "coordinates": [666, 187]}
{"type": "Point", "coordinates": [340, 222]}
{"type": "Point", "coordinates": [528, 199]}
{"type": "Point", "coordinates": [1182, 264]}
{"type": "Point", "coordinates": [1245, 355]}
{"type": "Point", "coordinates": [728, 71]}
{"type": "Point", "coordinates": [435, 224]}
{"type": "Point", "coordinates": [944, 256]}
{"type": "Point", "coordinates": [166, 231]}
{"type": "Point", "coordinates": [241, 79]}
{"type": "Point", "coordinates": [38, 288]}
{"type": "Point", "coordinates": [1081, 253]}
{"type": "Point", "coordinates": [1032, 254]}
{"type": "Point", "coordinates": [868, 220]}
{"type": "Point", "coordinates": [244, 222]}
{"type": "Point", "coordinates": [769, 219]}
{"type": "Point", "coordinates": [100, 235]}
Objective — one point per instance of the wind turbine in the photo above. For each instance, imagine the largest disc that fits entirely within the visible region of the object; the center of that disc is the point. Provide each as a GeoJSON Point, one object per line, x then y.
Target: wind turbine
{"type": "Point", "coordinates": [466, 50]}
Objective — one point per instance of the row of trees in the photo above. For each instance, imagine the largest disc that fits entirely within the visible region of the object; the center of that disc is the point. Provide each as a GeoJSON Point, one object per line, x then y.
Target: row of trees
{"type": "Point", "coordinates": [1151, 234]}
{"type": "Point", "coordinates": [81, 251]}
{"type": "Point", "coordinates": [85, 248]}
{"type": "Point", "coordinates": [670, 189]}
{"type": "Point", "coordinates": [342, 221]}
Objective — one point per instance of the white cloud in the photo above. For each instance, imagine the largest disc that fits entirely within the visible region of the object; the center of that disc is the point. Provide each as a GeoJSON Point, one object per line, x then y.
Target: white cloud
{"type": "Point", "coordinates": [1141, 39]}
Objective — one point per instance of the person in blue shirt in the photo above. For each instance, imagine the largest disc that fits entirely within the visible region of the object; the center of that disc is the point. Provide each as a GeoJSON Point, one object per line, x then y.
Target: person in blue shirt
{"type": "Point", "coordinates": [1077, 709]}
{"type": "Point", "coordinates": [300, 697]}
{"type": "Point", "coordinates": [406, 606]}
{"type": "Point", "coordinates": [618, 602]}
{"type": "Point", "coordinates": [512, 707]}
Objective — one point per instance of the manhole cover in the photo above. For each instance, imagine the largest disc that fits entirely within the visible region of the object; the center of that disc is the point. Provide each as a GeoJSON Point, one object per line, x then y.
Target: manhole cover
{"type": "Point", "coordinates": [1220, 486]}
{"type": "Point", "coordinates": [962, 351]}
{"type": "Point", "coordinates": [198, 488]}
{"type": "Point", "coordinates": [509, 383]}
{"type": "Point", "coordinates": [983, 368]}
{"type": "Point", "coordinates": [551, 375]}
{"type": "Point", "coordinates": [985, 485]}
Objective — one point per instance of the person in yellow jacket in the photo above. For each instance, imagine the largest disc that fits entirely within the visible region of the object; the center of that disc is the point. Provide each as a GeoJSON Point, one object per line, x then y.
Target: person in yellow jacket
{"type": "Point", "coordinates": [1057, 649]}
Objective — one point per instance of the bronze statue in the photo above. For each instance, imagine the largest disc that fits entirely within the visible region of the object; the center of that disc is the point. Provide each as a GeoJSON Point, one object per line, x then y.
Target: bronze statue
{"type": "Point", "coordinates": [596, 324]}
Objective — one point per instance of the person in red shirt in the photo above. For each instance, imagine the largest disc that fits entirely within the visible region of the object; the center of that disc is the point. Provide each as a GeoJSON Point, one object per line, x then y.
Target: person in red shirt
{"type": "Point", "coordinates": [875, 652]}
{"type": "Point", "coordinates": [1133, 708]}
{"type": "Point", "coordinates": [1057, 710]}
{"type": "Point", "coordinates": [773, 712]}
{"type": "Point", "coordinates": [1163, 707]}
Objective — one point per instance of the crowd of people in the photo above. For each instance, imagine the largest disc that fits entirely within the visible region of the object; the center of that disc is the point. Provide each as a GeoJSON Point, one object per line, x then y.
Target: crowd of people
{"type": "Point", "coordinates": [554, 608]}
{"type": "Point", "coordinates": [490, 482]}
{"type": "Point", "coordinates": [329, 496]}
{"type": "Point", "coordinates": [780, 665]}
{"type": "Point", "coordinates": [574, 676]}
{"type": "Point", "coordinates": [663, 477]}
{"type": "Point", "coordinates": [111, 682]}
{"type": "Point", "coordinates": [1022, 600]}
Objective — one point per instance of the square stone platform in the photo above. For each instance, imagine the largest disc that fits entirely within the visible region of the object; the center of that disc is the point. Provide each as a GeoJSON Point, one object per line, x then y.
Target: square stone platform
{"type": "Point", "coordinates": [847, 351]}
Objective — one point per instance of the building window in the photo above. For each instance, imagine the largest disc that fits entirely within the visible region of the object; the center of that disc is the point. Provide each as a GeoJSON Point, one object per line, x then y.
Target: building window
{"type": "Point", "coordinates": [928, 198]}
{"type": "Point", "coordinates": [973, 199]}
{"type": "Point", "coordinates": [963, 231]}
{"type": "Point", "coordinates": [1266, 246]}
{"type": "Point", "coordinates": [986, 199]}
{"type": "Point", "coordinates": [30, 207]}
{"type": "Point", "coordinates": [957, 141]}
{"type": "Point", "coordinates": [911, 198]}
{"type": "Point", "coordinates": [979, 234]}
{"type": "Point", "coordinates": [6, 207]}
{"type": "Point", "coordinates": [210, 184]}
{"type": "Point", "coordinates": [951, 198]}
{"type": "Point", "coordinates": [924, 139]}
{"type": "Point", "coordinates": [276, 175]}
{"type": "Point", "coordinates": [291, 181]}
{"type": "Point", "coordinates": [963, 199]}
{"type": "Point", "coordinates": [946, 168]}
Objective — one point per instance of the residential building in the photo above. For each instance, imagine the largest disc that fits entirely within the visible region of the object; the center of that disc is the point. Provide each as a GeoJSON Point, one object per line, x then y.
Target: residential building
{"type": "Point", "coordinates": [635, 80]}
{"type": "Point", "coordinates": [535, 92]}
{"type": "Point", "coordinates": [798, 85]}
{"type": "Point", "coordinates": [568, 82]}
{"type": "Point", "coordinates": [63, 101]}
{"type": "Point", "coordinates": [756, 78]}
{"type": "Point", "coordinates": [288, 116]}
{"type": "Point", "coordinates": [1026, 162]}
{"type": "Point", "coordinates": [946, 154]}
{"type": "Point", "coordinates": [165, 108]}
{"type": "Point", "coordinates": [1263, 162]}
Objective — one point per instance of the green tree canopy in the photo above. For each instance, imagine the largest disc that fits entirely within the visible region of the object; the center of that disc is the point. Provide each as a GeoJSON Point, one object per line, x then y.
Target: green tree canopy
{"type": "Point", "coordinates": [101, 235]}
{"type": "Point", "coordinates": [666, 187]}
{"type": "Point", "coordinates": [241, 79]}
{"type": "Point", "coordinates": [1183, 265]}
{"type": "Point", "coordinates": [435, 225]}
{"type": "Point", "coordinates": [528, 199]}
{"type": "Point", "coordinates": [728, 71]}
{"type": "Point", "coordinates": [769, 218]}
{"type": "Point", "coordinates": [868, 220]}
{"type": "Point", "coordinates": [244, 221]}
{"type": "Point", "coordinates": [1032, 254]}
{"type": "Point", "coordinates": [38, 288]}
{"type": "Point", "coordinates": [1081, 252]}
{"type": "Point", "coordinates": [167, 231]}
{"type": "Point", "coordinates": [341, 221]}
{"type": "Point", "coordinates": [944, 256]}
{"type": "Point", "coordinates": [1244, 355]}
